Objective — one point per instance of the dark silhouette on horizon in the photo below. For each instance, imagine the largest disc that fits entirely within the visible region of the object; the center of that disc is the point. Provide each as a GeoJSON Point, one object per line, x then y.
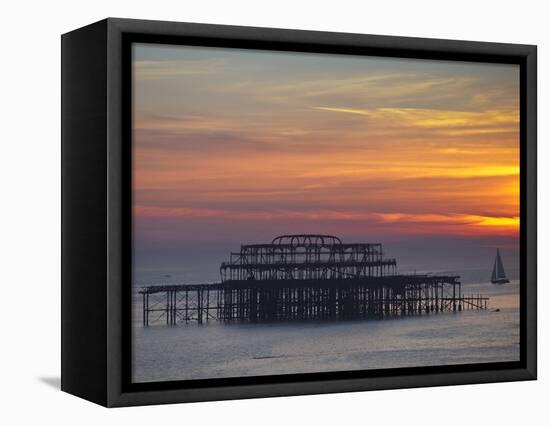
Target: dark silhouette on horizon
{"type": "Point", "coordinates": [307, 277]}
{"type": "Point", "coordinates": [499, 276]}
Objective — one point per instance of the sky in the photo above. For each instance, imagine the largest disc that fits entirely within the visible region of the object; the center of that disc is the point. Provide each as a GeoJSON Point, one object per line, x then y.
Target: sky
{"type": "Point", "coordinates": [239, 146]}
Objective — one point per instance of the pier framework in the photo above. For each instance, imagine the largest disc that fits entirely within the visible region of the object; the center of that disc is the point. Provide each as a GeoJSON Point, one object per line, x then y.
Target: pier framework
{"type": "Point", "coordinates": [306, 277]}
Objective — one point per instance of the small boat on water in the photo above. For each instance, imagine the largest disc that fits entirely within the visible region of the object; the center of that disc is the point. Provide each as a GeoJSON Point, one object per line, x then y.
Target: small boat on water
{"type": "Point", "coordinates": [498, 276]}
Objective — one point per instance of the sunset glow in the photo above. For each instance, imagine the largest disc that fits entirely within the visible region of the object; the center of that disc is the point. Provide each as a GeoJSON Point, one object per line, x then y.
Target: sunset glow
{"type": "Point", "coordinates": [263, 143]}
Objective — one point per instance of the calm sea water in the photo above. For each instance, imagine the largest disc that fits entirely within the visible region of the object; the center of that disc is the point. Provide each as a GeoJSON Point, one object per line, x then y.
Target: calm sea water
{"type": "Point", "coordinates": [217, 350]}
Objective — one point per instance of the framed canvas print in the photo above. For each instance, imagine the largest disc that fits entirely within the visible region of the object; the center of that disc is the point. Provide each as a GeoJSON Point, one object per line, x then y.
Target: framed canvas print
{"type": "Point", "coordinates": [253, 212]}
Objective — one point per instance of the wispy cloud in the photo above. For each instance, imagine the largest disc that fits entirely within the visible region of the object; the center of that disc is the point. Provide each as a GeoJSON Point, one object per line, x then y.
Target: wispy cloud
{"type": "Point", "coordinates": [162, 70]}
{"type": "Point", "coordinates": [451, 224]}
{"type": "Point", "coordinates": [394, 147]}
{"type": "Point", "coordinates": [477, 121]}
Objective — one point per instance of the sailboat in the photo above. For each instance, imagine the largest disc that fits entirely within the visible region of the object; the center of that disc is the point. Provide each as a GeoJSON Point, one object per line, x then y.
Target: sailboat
{"type": "Point", "coordinates": [498, 276]}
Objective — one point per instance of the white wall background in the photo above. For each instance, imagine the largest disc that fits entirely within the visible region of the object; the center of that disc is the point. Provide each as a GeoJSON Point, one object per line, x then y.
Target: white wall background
{"type": "Point", "coordinates": [30, 200]}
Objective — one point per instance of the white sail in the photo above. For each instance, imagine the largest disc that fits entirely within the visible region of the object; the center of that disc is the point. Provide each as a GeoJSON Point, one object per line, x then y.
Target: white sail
{"type": "Point", "coordinates": [498, 269]}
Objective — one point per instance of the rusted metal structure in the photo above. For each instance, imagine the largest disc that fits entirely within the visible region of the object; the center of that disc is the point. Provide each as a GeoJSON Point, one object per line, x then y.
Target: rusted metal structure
{"type": "Point", "coordinates": [306, 277]}
{"type": "Point", "coordinates": [307, 257]}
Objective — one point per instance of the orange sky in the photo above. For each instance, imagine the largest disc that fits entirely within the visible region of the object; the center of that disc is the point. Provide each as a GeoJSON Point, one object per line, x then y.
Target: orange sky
{"type": "Point", "coordinates": [278, 143]}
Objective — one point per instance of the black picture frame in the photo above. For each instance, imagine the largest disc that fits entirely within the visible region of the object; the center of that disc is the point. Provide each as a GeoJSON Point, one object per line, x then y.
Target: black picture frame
{"type": "Point", "coordinates": [96, 211]}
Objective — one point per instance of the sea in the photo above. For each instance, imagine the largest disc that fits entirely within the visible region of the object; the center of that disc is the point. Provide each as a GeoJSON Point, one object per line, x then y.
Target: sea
{"type": "Point", "coordinates": [218, 350]}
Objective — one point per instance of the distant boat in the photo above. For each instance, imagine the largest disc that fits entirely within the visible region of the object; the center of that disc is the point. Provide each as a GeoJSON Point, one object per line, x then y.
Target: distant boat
{"type": "Point", "coordinates": [499, 276]}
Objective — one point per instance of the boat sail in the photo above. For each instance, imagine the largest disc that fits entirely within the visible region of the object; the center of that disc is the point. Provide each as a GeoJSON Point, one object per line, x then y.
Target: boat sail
{"type": "Point", "coordinates": [498, 276]}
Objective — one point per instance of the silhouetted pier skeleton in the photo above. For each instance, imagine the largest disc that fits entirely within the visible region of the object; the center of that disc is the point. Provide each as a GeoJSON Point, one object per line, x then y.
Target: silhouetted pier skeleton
{"type": "Point", "coordinates": [306, 277]}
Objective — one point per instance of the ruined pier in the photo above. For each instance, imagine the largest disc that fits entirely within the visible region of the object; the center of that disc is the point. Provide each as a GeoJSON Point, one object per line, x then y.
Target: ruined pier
{"type": "Point", "coordinates": [306, 277]}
